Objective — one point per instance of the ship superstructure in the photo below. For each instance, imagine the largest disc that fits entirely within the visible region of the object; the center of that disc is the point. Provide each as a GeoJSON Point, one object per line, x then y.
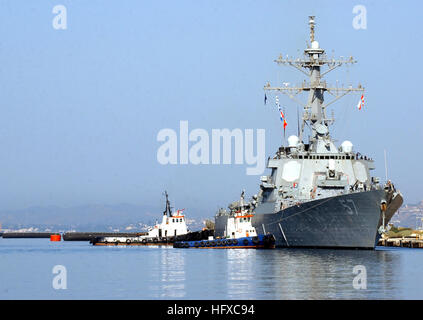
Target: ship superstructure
{"type": "Point", "coordinates": [318, 194]}
{"type": "Point", "coordinates": [173, 223]}
{"type": "Point", "coordinates": [239, 222]}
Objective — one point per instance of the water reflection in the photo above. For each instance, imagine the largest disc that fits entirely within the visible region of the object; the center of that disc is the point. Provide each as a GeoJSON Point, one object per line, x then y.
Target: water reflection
{"type": "Point", "coordinates": [274, 274]}
{"type": "Point", "coordinates": [168, 273]}
{"type": "Point", "coordinates": [241, 269]}
{"type": "Point", "coordinates": [327, 274]}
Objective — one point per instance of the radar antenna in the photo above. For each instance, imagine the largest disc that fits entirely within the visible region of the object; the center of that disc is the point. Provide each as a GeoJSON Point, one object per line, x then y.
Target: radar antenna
{"type": "Point", "coordinates": [310, 64]}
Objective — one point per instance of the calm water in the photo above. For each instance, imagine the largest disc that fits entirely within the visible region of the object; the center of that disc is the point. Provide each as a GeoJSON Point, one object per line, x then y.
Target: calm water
{"type": "Point", "coordinates": [166, 273]}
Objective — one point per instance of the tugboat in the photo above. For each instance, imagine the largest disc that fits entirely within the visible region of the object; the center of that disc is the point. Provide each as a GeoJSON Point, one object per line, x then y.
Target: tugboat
{"type": "Point", "coordinates": [164, 233]}
{"type": "Point", "coordinates": [239, 232]}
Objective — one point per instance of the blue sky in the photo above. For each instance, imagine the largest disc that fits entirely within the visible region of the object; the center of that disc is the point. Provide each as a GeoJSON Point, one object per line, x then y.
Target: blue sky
{"type": "Point", "coordinates": [81, 108]}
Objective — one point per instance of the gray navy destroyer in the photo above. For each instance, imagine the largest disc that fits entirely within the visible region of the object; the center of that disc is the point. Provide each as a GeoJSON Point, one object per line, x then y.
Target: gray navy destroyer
{"type": "Point", "coordinates": [318, 195]}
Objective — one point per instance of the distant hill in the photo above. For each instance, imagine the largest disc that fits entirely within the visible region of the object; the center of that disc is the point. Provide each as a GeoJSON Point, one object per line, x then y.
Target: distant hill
{"type": "Point", "coordinates": [96, 217]}
{"type": "Point", "coordinates": [81, 215]}
{"type": "Point", "coordinates": [89, 217]}
{"type": "Point", "coordinates": [409, 216]}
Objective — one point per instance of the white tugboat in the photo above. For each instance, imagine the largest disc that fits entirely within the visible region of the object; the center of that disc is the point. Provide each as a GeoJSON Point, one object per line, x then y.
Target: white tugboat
{"type": "Point", "coordinates": [239, 232]}
{"type": "Point", "coordinates": [164, 233]}
{"type": "Point", "coordinates": [239, 222]}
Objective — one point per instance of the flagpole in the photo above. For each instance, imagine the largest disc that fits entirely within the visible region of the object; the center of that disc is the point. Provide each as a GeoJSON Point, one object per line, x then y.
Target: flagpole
{"type": "Point", "coordinates": [284, 129]}
{"type": "Point", "coordinates": [298, 122]}
{"type": "Point", "coordinates": [386, 167]}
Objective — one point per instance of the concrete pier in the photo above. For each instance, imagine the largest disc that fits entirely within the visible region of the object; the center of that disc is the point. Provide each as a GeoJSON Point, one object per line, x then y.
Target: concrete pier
{"type": "Point", "coordinates": [6, 235]}
{"type": "Point", "coordinates": [401, 242]}
{"type": "Point", "coordinates": [87, 236]}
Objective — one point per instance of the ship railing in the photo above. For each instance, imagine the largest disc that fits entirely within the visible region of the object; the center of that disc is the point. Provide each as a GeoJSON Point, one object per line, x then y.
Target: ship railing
{"type": "Point", "coordinates": [325, 156]}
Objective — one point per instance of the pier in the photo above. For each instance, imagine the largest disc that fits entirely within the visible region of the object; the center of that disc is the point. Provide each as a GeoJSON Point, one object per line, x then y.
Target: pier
{"type": "Point", "coordinates": [401, 242]}
{"type": "Point", "coordinates": [88, 236]}
{"type": "Point", "coordinates": [33, 235]}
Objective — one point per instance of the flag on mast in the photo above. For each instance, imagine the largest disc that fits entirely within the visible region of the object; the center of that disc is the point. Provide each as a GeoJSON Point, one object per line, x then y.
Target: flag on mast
{"type": "Point", "coordinates": [178, 212]}
{"type": "Point", "coordinates": [361, 102]}
{"type": "Point", "coordinates": [282, 116]}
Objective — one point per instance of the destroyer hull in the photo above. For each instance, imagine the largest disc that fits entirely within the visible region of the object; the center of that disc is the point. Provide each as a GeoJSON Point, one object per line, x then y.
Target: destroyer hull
{"type": "Point", "coordinates": [346, 221]}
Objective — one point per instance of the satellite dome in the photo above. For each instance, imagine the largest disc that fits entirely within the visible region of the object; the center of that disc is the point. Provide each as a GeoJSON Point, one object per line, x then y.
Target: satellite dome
{"type": "Point", "coordinates": [293, 141]}
{"type": "Point", "coordinates": [321, 129]}
{"type": "Point", "coordinates": [315, 45]}
{"type": "Point", "coordinates": [346, 146]}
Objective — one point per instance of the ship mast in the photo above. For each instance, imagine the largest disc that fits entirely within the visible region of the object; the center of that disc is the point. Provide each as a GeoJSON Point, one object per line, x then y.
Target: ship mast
{"type": "Point", "coordinates": [311, 64]}
{"type": "Point", "coordinates": [168, 211]}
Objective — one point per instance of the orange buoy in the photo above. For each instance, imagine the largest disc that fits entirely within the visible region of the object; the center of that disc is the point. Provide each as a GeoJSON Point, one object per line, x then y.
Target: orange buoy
{"type": "Point", "coordinates": [55, 237]}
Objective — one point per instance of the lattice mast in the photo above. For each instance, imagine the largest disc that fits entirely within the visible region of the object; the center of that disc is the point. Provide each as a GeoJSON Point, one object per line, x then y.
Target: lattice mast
{"type": "Point", "coordinates": [310, 64]}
